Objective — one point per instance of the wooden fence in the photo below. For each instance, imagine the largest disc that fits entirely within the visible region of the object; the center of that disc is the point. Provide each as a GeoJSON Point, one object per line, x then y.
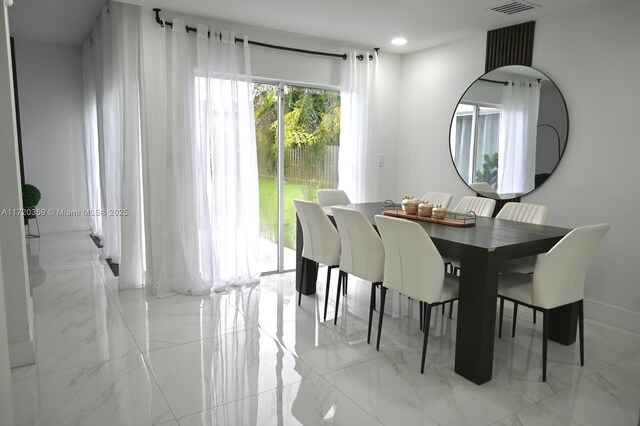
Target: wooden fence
{"type": "Point", "coordinates": [312, 165]}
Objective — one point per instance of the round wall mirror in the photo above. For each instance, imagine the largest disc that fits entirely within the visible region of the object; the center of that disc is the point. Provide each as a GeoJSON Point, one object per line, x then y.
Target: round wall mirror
{"type": "Point", "coordinates": [508, 132]}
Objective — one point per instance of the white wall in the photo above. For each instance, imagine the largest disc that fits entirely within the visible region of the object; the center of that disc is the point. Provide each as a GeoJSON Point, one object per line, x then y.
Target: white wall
{"type": "Point", "coordinates": [386, 123]}
{"type": "Point", "coordinates": [12, 239]}
{"type": "Point", "coordinates": [6, 391]}
{"type": "Point", "coordinates": [433, 81]}
{"type": "Point", "coordinates": [51, 113]}
{"type": "Point", "coordinates": [484, 92]}
{"type": "Point", "coordinates": [593, 56]}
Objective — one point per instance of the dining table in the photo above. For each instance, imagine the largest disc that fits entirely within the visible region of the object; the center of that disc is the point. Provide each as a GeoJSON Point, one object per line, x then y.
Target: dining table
{"type": "Point", "coordinates": [481, 249]}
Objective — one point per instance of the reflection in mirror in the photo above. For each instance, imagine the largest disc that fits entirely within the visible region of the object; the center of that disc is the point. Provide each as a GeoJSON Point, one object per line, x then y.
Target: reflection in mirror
{"type": "Point", "coordinates": [508, 132]}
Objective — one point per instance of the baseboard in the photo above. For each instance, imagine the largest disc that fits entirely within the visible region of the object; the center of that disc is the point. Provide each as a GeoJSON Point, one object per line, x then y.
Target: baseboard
{"type": "Point", "coordinates": [21, 354]}
{"type": "Point", "coordinates": [613, 315]}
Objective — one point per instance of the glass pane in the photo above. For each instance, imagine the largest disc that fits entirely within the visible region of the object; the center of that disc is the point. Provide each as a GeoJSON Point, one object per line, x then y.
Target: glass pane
{"type": "Point", "coordinates": [265, 103]}
{"type": "Point", "coordinates": [461, 145]}
{"type": "Point", "coordinates": [312, 137]}
{"type": "Point", "coordinates": [486, 158]}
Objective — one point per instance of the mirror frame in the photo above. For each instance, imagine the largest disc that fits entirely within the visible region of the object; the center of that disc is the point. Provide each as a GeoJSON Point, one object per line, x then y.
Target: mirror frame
{"type": "Point", "coordinates": [566, 139]}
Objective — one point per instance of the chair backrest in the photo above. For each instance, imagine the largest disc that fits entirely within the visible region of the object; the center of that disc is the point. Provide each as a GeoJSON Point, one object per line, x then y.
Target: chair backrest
{"type": "Point", "coordinates": [523, 212]}
{"type": "Point", "coordinates": [361, 251]}
{"type": "Point", "coordinates": [438, 198]}
{"type": "Point", "coordinates": [483, 188]}
{"type": "Point", "coordinates": [480, 206]}
{"type": "Point", "coordinates": [412, 264]}
{"type": "Point", "coordinates": [332, 197]}
{"type": "Point", "coordinates": [559, 275]}
{"type": "Point", "coordinates": [321, 239]}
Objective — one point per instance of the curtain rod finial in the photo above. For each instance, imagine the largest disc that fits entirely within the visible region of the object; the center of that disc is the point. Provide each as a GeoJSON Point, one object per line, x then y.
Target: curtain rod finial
{"type": "Point", "coordinates": [158, 20]}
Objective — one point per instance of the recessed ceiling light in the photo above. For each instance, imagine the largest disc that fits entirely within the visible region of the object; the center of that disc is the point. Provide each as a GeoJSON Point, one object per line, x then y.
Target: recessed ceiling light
{"type": "Point", "coordinates": [399, 41]}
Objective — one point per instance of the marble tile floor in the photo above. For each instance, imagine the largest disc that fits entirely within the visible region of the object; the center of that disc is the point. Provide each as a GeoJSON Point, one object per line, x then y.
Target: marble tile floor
{"type": "Point", "coordinates": [251, 356]}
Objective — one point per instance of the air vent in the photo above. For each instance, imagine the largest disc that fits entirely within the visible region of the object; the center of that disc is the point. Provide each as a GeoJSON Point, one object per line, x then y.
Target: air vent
{"type": "Point", "coordinates": [514, 7]}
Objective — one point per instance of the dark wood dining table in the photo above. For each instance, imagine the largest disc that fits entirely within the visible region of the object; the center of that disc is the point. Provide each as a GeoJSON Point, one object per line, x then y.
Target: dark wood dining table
{"type": "Point", "coordinates": [481, 249]}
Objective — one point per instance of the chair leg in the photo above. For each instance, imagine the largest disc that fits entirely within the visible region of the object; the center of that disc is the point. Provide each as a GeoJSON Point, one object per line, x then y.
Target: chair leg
{"type": "Point", "coordinates": [372, 303]}
{"type": "Point", "coordinates": [383, 295]}
{"type": "Point", "coordinates": [302, 270]}
{"type": "Point", "coordinates": [451, 310]}
{"type": "Point", "coordinates": [345, 282]}
{"type": "Point", "coordinates": [326, 292]}
{"type": "Point", "coordinates": [420, 304]}
{"type": "Point", "coordinates": [545, 336]}
{"type": "Point", "coordinates": [335, 316]}
{"type": "Point", "coordinates": [581, 329]}
{"type": "Point", "coordinates": [374, 297]}
{"type": "Point", "coordinates": [426, 337]}
{"type": "Point", "coordinates": [501, 315]}
{"type": "Point", "coordinates": [515, 318]}
{"type": "Point", "coordinates": [534, 316]}
{"type": "Point", "coordinates": [442, 307]}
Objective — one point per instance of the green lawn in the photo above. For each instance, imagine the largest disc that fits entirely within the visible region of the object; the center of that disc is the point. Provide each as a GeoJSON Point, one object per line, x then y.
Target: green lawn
{"type": "Point", "coordinates": [269, 208]}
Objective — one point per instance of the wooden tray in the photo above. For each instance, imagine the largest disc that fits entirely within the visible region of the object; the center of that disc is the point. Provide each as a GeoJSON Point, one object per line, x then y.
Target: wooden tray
{"type": "Point", "coordinates": [449, 221]}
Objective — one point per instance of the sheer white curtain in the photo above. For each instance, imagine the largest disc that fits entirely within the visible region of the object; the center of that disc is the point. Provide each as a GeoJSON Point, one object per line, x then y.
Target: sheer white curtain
{"type": "Point", "coordinates": [91, 139]}
{"type": "Point", "coordinates": [517, 144]}
{"type": "Point", "coordinates": [203, 203]}
{"type": "Point", "coordinates": [112, 59]}
{"type": "Point", "coordinates": [357, 176]}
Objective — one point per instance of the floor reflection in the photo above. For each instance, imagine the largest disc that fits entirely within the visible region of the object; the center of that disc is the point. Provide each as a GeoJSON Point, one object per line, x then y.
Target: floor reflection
{"type": "Point", "coordinates": [252, 356]}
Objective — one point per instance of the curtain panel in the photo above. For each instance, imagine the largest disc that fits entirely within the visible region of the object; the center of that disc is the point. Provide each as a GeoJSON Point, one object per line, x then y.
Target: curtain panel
{"type": "Point", "coordinates": [111, 61]}
{"type": "Point", "coordinates": [356, 168]}
{"type": "Point", "coordinates": [92, 157]}
{"type": "Point", "coordinates": [517, 141]}
{"type": "Point", "coordinates": [201, 175]}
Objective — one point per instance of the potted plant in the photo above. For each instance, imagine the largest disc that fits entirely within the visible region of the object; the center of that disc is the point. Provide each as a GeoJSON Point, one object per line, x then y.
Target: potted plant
{"type": "Point", "coordinates": [30, 199]}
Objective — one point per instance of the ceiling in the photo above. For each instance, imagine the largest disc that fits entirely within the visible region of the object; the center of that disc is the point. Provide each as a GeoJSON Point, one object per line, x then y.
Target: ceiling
{"type": "Point", "coordinates": [367, 23]}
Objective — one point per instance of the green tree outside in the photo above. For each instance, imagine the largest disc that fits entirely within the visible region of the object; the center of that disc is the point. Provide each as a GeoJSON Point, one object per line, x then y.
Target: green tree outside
{"type": "Point", "coordinates": [312, 121]}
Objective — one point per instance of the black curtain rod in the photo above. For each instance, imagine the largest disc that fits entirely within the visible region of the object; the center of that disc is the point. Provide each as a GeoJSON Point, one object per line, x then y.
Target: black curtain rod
{"type": "Point", "coordinates": [504, 83]}
{"type": "Point", "coordinates": [494, 81]}
{"type": "Point", "coordinates": [342, 56]}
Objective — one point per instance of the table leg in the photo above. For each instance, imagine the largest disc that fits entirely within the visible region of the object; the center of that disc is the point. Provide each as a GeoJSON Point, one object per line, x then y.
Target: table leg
{"type": "Point", "coordinates": [563, 323]}
{"type": "Point", "coordinates": [477, 316]}
{"type": "Point", "coordinates": [306, 284]}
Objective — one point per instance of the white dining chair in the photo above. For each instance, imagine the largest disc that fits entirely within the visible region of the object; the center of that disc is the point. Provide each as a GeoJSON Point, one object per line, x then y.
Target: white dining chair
{"type": "Point", "coordinates": [413, 266]}
{"type": "Point", "coordinates": [321, 241]}
{"type": "Point", "coordinates": [526, 213]}
{"type": "Point", "coordinates": [361, 253]}
{"type": "Point", "coordinates": [484, 189]}
{"type": "Point", "coordinates": [332, 197]}
{"type": "Point", "coordinates": [557, 280]}
{"type": "Point", "coordinates": [479, 205]}
{"type": "Point", "coordinates": [438, 198]}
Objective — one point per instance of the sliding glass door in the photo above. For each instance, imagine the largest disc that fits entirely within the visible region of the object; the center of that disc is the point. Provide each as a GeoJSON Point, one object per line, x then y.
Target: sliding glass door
{"type": "Point", "coordinates": [297, 136]}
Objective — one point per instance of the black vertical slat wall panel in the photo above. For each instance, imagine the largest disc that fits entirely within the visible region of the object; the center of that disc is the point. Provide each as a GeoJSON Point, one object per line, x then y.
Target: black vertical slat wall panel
{"type": "Point", "coordinates": [510, 46]}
